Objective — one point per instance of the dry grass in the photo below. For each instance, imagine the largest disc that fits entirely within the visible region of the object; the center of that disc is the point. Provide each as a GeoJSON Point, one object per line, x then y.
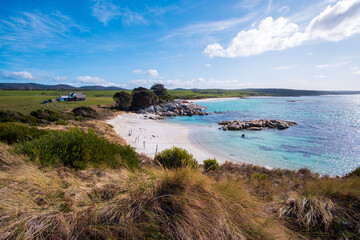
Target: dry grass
{"type": "Point", "coordinates": [232, 202]}
{"type": "Point", "coordinates": [152, 203]}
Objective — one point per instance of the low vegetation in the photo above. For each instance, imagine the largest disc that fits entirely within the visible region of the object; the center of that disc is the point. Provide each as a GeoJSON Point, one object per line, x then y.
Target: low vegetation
{"type": "Point", "coordinates": [11, 133]}
{"type": "Point", "coordinates": [78, 149]}
{"type": "Point", "coordinates": [210, 165]}
{"type": "Point", "coordinates": [175, 158]}
{"type": "Point", "coordinates": [75, 184]}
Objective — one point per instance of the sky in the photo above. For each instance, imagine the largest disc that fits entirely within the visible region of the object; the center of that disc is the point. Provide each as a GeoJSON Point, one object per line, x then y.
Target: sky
{"type": "Point", "coordinates": [232, 44]}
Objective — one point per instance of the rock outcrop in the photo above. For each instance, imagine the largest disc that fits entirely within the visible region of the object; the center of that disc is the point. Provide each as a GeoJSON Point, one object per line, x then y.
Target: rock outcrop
{"type": "Point", "coordinates": [175, 108]}
{"type": "Point", "coordinates": [256, 125]}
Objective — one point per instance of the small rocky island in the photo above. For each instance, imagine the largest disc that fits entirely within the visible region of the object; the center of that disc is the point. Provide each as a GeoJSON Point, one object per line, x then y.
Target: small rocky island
{"type": "Point", "coordinates": [256, 125]}
{"type": "Point", "coordinates": [175, 108]}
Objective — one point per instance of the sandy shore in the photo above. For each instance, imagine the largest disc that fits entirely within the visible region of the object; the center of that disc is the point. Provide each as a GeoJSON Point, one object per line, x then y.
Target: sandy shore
{"type": "Point", "coordinates": [150, 136]}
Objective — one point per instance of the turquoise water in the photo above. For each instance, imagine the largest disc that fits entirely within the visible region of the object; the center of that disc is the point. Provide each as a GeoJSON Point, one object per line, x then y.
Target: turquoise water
{"type": "Point", "coordinates": [326, 140]}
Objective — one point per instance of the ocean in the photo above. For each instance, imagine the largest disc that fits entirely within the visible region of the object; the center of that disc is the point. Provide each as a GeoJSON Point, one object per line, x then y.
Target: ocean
{"type": "Point", "coordinates": [326, 139]}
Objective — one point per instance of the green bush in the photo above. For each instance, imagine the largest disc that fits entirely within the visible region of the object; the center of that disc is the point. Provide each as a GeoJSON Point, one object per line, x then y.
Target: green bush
{"type": "Point", "coordinates": [85, 112]}
{"type": "Point", "coordinates": [50, 115]}
{"type": "Point", "coordinates": [210, 165]}
{"type": "Point", "coordinates": [31, 120]}
{"type": "Point", "coordinates": [122, 100]}
{"type": "Point", "coordinates": [16, 132]}
{"type": "Point", "coordinates": [355, 173]}
{"type": "Point", "coordinates": [175, 158]}
{"type": "Point", "coordinates": [259, 176]}
{"type": "Point", "coordinates": [10, 116]}
{"type": "Point", "coordinates": [61, 123]}
{"type": "Point", "coordinates": [79, 149]}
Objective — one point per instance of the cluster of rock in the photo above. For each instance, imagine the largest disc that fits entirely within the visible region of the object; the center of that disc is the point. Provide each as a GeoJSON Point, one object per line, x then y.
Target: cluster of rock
{"type": "Point", "coordinates": [175, 108]}
{"type": "Point", "coordinates": [256, 124]}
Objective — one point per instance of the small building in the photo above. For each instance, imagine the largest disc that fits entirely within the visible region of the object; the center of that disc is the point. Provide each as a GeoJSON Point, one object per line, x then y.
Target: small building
{"type": "Point", "coordinates": [74, 96]}
{"type": "Point", "coordinates": [50, 100]}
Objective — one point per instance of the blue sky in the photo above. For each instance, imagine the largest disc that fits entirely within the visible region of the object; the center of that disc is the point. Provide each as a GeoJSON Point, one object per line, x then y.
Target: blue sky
{"type": "Point", "coordinates": [192, 44]}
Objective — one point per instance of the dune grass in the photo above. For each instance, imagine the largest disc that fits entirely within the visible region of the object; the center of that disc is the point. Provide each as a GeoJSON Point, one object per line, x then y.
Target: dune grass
{"type": "Point", "coordinates": [153, 203]}
{"type": "Point", "coordinates": [77, 185]}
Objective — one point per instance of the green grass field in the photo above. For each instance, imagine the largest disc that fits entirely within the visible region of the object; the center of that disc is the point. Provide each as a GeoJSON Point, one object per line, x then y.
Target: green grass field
{"type": "Point", "coordinates": [26, 101]}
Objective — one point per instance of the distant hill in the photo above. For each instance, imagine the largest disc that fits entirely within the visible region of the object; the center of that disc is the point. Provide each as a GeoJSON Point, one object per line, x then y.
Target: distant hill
{"type": "Point", "coordinates": [292, 92]}
{"type": "Point", "coordinates": [278, 91]}
{"type": "Point", "coordinates": [60, 87]}
{"type": "Point", "coordinates": [101, 88]}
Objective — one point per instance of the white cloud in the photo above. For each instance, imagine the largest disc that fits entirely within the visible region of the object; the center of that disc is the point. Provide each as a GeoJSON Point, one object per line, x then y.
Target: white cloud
{"type": "Point", "coordinates": [105, 10]}
{"type": "Point", "coordinates": [30, 30]}
{"type": "Point", "coordinates": [285, 67]}
{"type": "Point", "coordinates": [270, 35]}
{"type": "Point", "coordinates": [284, 9]}
{"type": "Point", "coordinates": [355, 70]}
{"type": "Point", "coordinates": [192, 83]}
{"type": "Point", "coordinates": [335, 23]}
{"type": "Point", "coordinates": [96, 81]}
{"type": "Point", "coordinates": [204, 32]}
{"type": "Point", "coordinates": [208, 65]}
{"type": "Point", "coordinates": [18, 76]}
{"type": "Point", "coordinates": [321, 66]}
{"type": "Point", "coordinates": [60, 78]}
{"type": "Point", "coordinates": [138, 71]}
{"type": "Point", "coordinates": [152, 73]}
{"type": "Point", "coordinates": [319, 76]}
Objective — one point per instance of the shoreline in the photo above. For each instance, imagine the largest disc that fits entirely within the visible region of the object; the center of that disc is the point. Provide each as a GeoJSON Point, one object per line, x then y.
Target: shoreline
{"type": "Point", "coordinates": [150, 136]}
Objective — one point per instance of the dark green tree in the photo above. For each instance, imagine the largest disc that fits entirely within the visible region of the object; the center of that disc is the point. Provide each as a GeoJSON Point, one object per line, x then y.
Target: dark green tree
{"type": "Point", "coordinates": [159, 89]}
{"type": "Point", "coordinates": [143, 99]}
{"type": "Point", "coordinates": [123, 100]}
{"type": "Point", "coordinates": [139, 89]}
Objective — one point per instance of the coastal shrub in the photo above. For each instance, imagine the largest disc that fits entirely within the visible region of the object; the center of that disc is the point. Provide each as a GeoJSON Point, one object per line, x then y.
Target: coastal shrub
{"type": "Point", "coordinates": [85, 112]}
{"type": "Point", "coordinates": [259, 176]}
{"type": "Point", "coordinates": [122, 100]}
{"type": "Point", "coordinates": [10, 116]}
{"type": "Point", "coordinates": [50, 115]}
{"type": "Point", "coordinates": [16, 132]}
{"type": "Point", "coordinates": [159, 89]}
{"type": "Point", "coordinates": [175, 158]}
{"type": "Point", "coordinates": [79, 149]}
{"type": "Point", "coordinates": [139, 89]}
{"type": "Point", "coordinates": [166, 98]}
{"type": "Point", "coordinates": [31, 120]}
{"type": "Point", "coordinates": [210, 165]}
{"type": "Point", "coordinates": [355, 173]}
{"type": "Point", "coordinates": [143, 99]}
{"type": "Point", "coordinates": [61, 123]}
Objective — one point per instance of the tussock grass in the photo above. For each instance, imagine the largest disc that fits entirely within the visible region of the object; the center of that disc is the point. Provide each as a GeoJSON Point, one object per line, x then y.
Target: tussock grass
{"type": "Point", "coordinates": [151, 203]}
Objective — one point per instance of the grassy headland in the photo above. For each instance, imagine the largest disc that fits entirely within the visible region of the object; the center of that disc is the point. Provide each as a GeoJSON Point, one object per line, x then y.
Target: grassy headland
{"type": "Point", "coordinates": [61, 182]}
{"type": "Point", "coordinates": [61, 185]}
{"type": "Point", "coordinates": [25, 101]}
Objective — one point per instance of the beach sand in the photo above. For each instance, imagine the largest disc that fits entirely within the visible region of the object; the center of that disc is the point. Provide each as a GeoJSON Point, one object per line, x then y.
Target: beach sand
{"type": "Point", "coordinates": [150, 136]}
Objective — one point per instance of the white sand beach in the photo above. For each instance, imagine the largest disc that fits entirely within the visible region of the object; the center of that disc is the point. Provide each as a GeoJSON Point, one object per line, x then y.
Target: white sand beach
{"type": "Point", "coordinates": [147, 136]}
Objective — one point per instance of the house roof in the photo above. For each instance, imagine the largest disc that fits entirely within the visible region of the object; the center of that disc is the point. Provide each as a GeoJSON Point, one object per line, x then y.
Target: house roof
{"type": "Point", "coordinates": [78, 94]}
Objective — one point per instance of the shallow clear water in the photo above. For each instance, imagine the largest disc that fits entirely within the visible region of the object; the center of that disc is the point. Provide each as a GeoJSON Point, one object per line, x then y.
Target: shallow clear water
{"type": "Point", "coordinates": [326, 140]}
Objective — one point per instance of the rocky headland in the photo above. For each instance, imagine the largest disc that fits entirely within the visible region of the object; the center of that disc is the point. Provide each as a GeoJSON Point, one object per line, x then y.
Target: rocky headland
{"type": "Point", "coordinates": [175, 108]}
{"type": "Point", "coordinates": [256, 125]}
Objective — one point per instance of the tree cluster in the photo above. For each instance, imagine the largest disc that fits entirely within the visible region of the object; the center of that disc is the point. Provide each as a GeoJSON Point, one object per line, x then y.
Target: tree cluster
{"type": "Point", "coordinates": [140, 97]}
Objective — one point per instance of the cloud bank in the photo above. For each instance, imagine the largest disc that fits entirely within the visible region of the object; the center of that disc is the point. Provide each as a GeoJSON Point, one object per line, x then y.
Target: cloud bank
{"type": "Point", "coordinates": [153, 73]}
{"type": "Point", "coordinates": [96, 81]}
{"type": "Point", "coordinates": [17, 76]}
{"type": "Point", "coordinates": [334, 24]}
